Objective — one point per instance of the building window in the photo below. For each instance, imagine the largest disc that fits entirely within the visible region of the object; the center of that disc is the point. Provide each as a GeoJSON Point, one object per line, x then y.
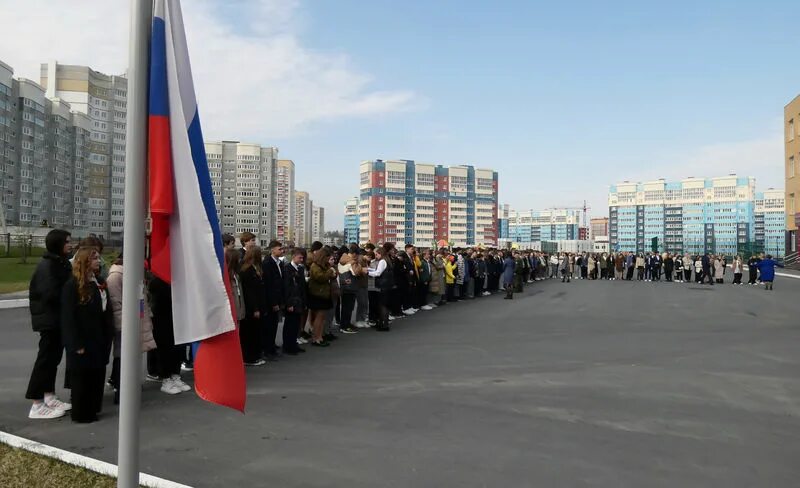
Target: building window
{"type": "Point", "coordinates": [791, 166]}
{"type": "Point", "coordinates": [790, 130]}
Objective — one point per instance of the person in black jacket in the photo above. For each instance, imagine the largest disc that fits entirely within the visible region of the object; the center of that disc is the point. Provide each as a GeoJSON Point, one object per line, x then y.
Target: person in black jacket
{"type": "Point", "coordinates": [255, 303]}
{"type": "Point", "coordinates": [45, 305]}
{"type": "Point", "coordinates": [294, 286]}
{"type": "Point", "coordinates": [88, 328]}
{"type": "Point", "coordinates": [384, 282]}
{"type": "Point", "coordinates": [273, 287]}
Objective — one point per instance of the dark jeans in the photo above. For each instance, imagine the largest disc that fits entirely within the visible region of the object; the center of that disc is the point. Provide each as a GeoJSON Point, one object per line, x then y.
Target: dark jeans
{"type": "Point", "coordinates": [291, 328]}
{"type": "Point", "coordinates": [450, 290]}
{"type": "Point", "coordinates": [409, 297]}
{"type": "Point", "coordinates": [753, 275]}
{"type": "Point", "coordinates": [169, 355]}
{"type": "Point", "coordinates": [737, 278]}
{"type": "Point", "coordinates": [396, 301]}
{"type": "Point", "coordinates": [374, 306]}
{"type": "Point", "coordinates": [629, 276]}
{"type": "Point", "coordinates": [384, 297]}
{"type": "Point", "coordinates": [250, 339]}
{"type": "Point", "coordinates": [709, 275]}
{"type": "Point", "coordinates": [270, 332]}
{"type": "Point", "coordinates": [687, 275]}
{"type": "Point", "coordinates": [422, 295]}
{"type": "Point", "coordinates": [45, 368]}
{"type": "Point", "coordinates": [640, 274]}
{"type": "Point", "coordinates": [348, 304]}
{"type": "Point", "coordinates": [87, 393]}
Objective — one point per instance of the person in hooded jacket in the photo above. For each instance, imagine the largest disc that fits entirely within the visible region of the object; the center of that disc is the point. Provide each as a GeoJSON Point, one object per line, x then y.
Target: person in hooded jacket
{"type": "Point", "coordinates": [45, 306]}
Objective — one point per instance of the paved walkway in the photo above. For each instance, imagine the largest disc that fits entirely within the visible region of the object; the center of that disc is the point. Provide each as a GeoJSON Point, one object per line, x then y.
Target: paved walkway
{"type": "Point", "coordinates": [583, 384]}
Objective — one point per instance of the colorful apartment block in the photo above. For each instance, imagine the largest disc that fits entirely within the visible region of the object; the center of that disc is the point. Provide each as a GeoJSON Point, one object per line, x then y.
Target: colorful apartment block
{"type": "Point", "coordinates": [407, 202]}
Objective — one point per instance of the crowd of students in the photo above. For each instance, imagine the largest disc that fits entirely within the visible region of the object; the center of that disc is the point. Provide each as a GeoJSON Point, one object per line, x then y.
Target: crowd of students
{"type": "Point", "coordinates": [653, 266]}
{"type": "Point", "coordinates": [316, 294]}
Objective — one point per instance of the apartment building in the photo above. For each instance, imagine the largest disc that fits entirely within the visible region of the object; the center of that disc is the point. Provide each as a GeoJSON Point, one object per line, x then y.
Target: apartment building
{"type": "Point", "coordinates": [44, 155]}
{"type": "Point", "coordinates": [598, 227]}
{"type": "Point", "coordinates": [694, 215]}
{"type": "Point", "coordinates": [527, 227]}
{"type": "Point", "coordinates": [243, 178]}
{"type": "Point", "coordinates": [103, 99]}
{"type": "Point", "coordinates": [408, 202]}
{"type": "Point", "coordinates": [770, 222]}
{"type": "Point", "coordinates": [791, 117]}
{"type": "Point", "coordinates": [317, 223]}
{"type": "Point", "coordinates": [302, 222]}
{"type": "Point", "coordinates": [352, 219]}
{"type": "Point", "coordinates": [285, 205]}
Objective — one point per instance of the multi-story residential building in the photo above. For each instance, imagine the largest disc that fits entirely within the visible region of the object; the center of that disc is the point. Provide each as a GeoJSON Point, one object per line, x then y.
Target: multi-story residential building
{"type": "Point", "coordinates": [43, 143]}
{"type": "Point", "coordinates": [770, 222]}
{"type": "Point", "coordinates": [352, 220]}
{"type": "Point", "coordinates": [791, 116]}
{"type": "Point", "coordinates": [103, 99]}
{"type": "Point", "coordinates": [302, 221]}
{"type": "Point", "coordinates": [408, 202]}
{"type": "Point", "coordinates": [598, 227]}
{"type": "Point", "coordinates": [694, 215]}
{"type": "Point", "coordinates": [8, 147]}
{"type": "Point", "coordinates": [317, 223]}
{"type": "Point", "coordinates": [243, 179]}
{"type": "Point", "coordinates": [529, 226]}
{"type": "Point", "coordinates": [285, 205]}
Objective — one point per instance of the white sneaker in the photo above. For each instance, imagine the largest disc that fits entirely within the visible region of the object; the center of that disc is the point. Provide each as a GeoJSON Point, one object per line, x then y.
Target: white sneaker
{"type": "Point", "coordinates": [392, 317]}
{"type": "Point", "coordinates": [486, 293]}
{"type": "Point", "coordinates": [301, 341]}
{"type": "Point", "coordinates": [427, 307]}
{"type": "Point", "coordinates": [42, 411]}
{"type": "Point", "coordinates": [56, 404]}
{"type": "Point", "coordinates": [409, 312]}
{"type": "Point", "coordinates": [362, 325]}
{"type": "Point", "coordinates": [169, 387]}
{"type": "Point", "coordinates": [180, 384]}
{"type": "Point", "coordinates": [153, 378]}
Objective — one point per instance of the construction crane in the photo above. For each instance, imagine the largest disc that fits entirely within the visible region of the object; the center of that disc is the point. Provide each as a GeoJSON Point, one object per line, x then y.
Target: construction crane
{"type": "Point", "coordinates": [584, 209]}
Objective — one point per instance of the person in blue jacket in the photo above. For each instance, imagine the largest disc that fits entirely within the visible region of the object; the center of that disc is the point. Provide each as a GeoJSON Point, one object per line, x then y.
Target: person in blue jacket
{"type": "Point", "coordinates": [767, 269]}
{"type": "Point", "coordinates": [508, 275]}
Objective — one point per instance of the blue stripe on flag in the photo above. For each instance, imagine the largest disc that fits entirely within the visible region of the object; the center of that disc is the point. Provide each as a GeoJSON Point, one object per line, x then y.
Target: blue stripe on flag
{"type": "Point", "coordinates": [159, 102]}
{"type": "Point", "coordinates": [204, 179]}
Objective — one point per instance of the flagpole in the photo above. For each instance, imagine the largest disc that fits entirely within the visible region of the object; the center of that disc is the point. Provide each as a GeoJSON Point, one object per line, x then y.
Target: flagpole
{"type": "Point", "coordinates": [141, 12]}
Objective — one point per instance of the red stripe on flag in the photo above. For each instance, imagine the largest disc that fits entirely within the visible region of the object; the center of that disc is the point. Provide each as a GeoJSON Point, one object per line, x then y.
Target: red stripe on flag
{"type": "Point", "coordinates": [159, 152]}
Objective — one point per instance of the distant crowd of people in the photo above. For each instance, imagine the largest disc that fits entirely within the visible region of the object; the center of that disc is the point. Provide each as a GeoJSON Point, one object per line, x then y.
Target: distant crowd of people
{"type": "Point", "coordinates": [654, 266]}
{"type": "Point", "coordinates": [316, 294]}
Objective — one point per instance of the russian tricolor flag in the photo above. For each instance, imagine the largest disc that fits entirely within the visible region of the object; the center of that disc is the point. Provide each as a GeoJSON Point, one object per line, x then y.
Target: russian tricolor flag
{"type": "Point", "coordinates": [186, 243]}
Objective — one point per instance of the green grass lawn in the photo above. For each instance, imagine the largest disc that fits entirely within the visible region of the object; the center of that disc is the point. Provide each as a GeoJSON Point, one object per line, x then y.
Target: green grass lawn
{"type": "Point", "coordinates": [16, 276]}
{"type": "Point", "coordinates": [23, 469]}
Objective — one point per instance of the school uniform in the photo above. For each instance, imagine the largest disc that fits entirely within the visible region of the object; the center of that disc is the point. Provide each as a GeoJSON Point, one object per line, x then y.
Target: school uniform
{"type": "Point", "coordinates": [88, 328]}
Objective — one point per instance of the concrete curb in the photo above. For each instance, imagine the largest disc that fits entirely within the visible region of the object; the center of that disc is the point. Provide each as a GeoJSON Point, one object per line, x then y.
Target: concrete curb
{"type": "Point", "coordinates": [15, 303]}
{"type": "Point", "coordinates": [100, 467]}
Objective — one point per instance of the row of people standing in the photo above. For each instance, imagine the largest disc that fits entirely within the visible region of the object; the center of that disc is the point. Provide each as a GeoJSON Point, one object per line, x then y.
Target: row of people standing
{"type": "Point", "coordinates": [706, 268]}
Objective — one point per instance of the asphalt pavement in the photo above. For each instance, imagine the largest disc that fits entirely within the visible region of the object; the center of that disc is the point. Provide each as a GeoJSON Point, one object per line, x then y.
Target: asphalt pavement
{"type": "Point", "coordinates": [587, 384]}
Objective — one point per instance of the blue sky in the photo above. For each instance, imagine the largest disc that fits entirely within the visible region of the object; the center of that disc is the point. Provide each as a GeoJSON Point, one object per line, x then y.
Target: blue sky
{"type": "Point", "coordinates": [562, 100]}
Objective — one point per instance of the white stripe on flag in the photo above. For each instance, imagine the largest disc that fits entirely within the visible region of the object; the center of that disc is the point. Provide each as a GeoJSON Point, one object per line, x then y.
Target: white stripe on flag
{"type": "Point", "coordinates": [200, 305]}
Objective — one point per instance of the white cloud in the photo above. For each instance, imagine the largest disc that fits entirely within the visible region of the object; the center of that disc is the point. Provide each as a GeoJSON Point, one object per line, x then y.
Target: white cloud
{"type": "Point", "coordinates": [255, 79]}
